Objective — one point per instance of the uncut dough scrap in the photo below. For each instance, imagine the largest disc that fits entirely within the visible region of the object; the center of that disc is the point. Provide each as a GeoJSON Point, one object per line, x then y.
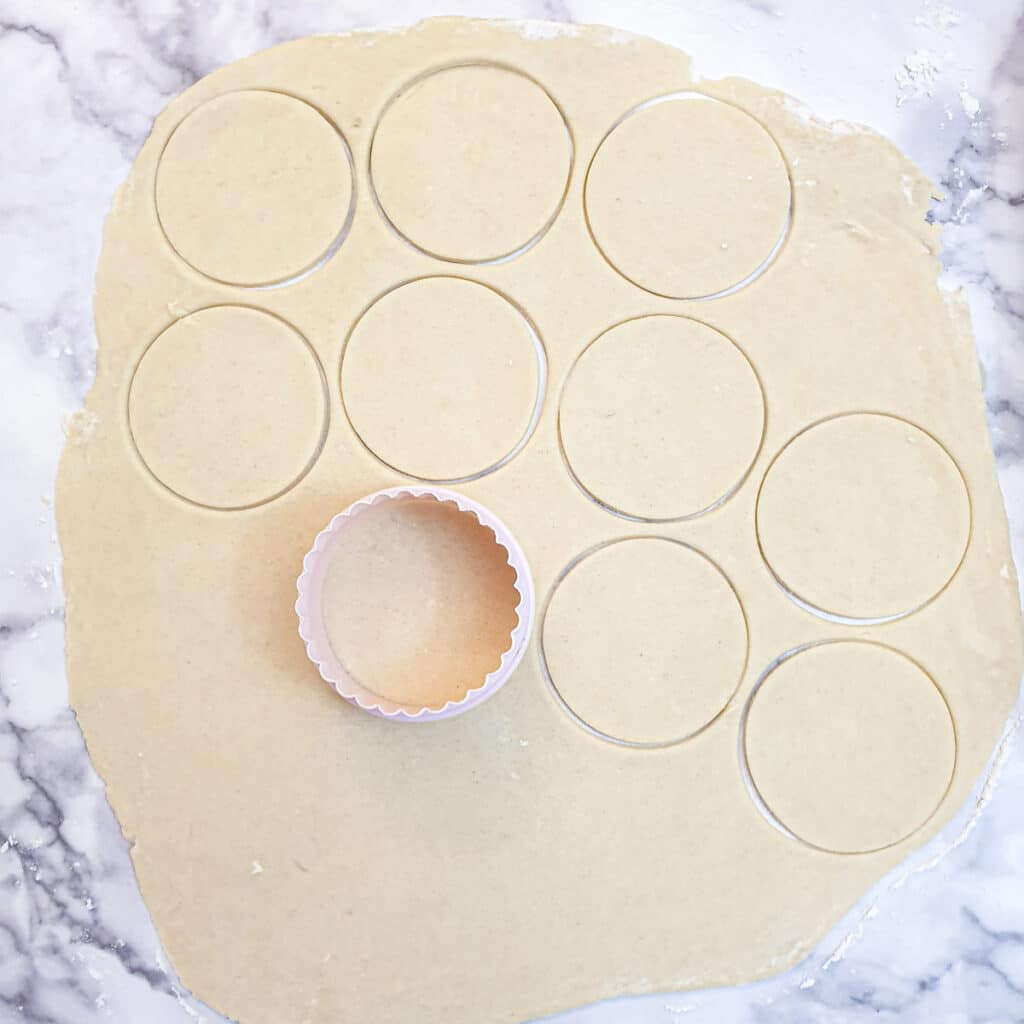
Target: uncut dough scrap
{"type": "Point", "coordinates": [506, 864]}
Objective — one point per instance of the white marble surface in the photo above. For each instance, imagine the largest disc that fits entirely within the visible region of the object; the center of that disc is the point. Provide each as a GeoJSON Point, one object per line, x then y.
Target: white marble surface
{"type": "Point", "coordinates": [942, 939]}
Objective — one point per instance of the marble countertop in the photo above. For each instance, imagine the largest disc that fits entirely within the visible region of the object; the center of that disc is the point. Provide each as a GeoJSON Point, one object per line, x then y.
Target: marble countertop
{"type": "Point", "coordinates": [939, 940]}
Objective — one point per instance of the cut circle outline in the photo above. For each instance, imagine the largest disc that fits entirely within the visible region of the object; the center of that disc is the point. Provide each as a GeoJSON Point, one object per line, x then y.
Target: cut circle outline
{"type": "Point", "coordinates": [564, 704]}
{"type": "Point", "coordinates": [774, 252]}
{"type": "Point", "coordinates": [867, 620]}
{"type": "Point", "coordinates": [540, 356]}
{"type": "Point", "coordinates": [321, 260]}
{"type": "Point", "coordinates": [685, 517]}
{"type": "Point", "coordinates": [321, 440]}
{"type": "Point", "coordinates": [539, 234]}
{"type": "Point", "coordinates": [758, 799]}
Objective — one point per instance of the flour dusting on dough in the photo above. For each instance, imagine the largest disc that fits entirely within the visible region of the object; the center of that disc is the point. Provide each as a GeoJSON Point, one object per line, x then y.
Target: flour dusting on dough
{"type": "Point", "coordinates": [799, 109]}
{"type": "Point", "coordinates": [80, 425]}
{"type": "Point", "coordinates": [535, 30]}
{"type": "Point", "coordinates": [532, 29]}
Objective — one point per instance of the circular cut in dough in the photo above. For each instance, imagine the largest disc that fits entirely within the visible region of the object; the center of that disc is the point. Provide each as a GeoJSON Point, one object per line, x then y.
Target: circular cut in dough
{"type": "Point", "coordinates": [675, 209]}
{"type": "Point", "coordinates": [442, 379]}
{"type": "Point", "coordinates": [661, 418]}
{"type": "Point", "coordinates": [254, 188]}
{"type": "Point", "coordinates": [863, 517]}
{"type": "Point", "coordinates": [471, 163]}
{"type": "Point", "coordinates": [850, 745]}
{"type": "Point", "coordinates": [419, 601]}
{"type": "Point", "coordinates": [644, 641]}
{"type": "Point", "coordinates": [228, 407]}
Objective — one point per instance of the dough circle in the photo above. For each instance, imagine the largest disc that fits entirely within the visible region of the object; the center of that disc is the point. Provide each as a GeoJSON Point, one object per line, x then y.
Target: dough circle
{"type": "Point", "coordinates": [391, 853]}
{"type": "Point", "coordinates": [661, 418]}
{"type": "Point", "coordinates": [254, 188]}
{"type": "Point", "coordinates": [849, 744]}
{"type": "Point", "coordinates": [864, 517]}
{"type": "Point", "coordinates": [644, 641]}
{"type": "Point", "coordinates": [673, 210]}
{"type": "Point", "coordinates": [228, 447]}
{"type": "Point", "coordinates": [442, 379]}
{"type": "Point", "coordinates": [471, 163]}
{"type": "Point", "coordinates": [419, 601]}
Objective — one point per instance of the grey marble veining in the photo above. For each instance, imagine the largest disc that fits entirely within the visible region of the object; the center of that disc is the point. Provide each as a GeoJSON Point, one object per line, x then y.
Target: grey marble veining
{"type": "Point", "coordinates": [941, 939]}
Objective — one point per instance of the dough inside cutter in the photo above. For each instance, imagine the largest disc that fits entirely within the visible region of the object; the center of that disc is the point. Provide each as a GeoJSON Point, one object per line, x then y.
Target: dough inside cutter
{"type": "Point", "coordinates": [419, 601]}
